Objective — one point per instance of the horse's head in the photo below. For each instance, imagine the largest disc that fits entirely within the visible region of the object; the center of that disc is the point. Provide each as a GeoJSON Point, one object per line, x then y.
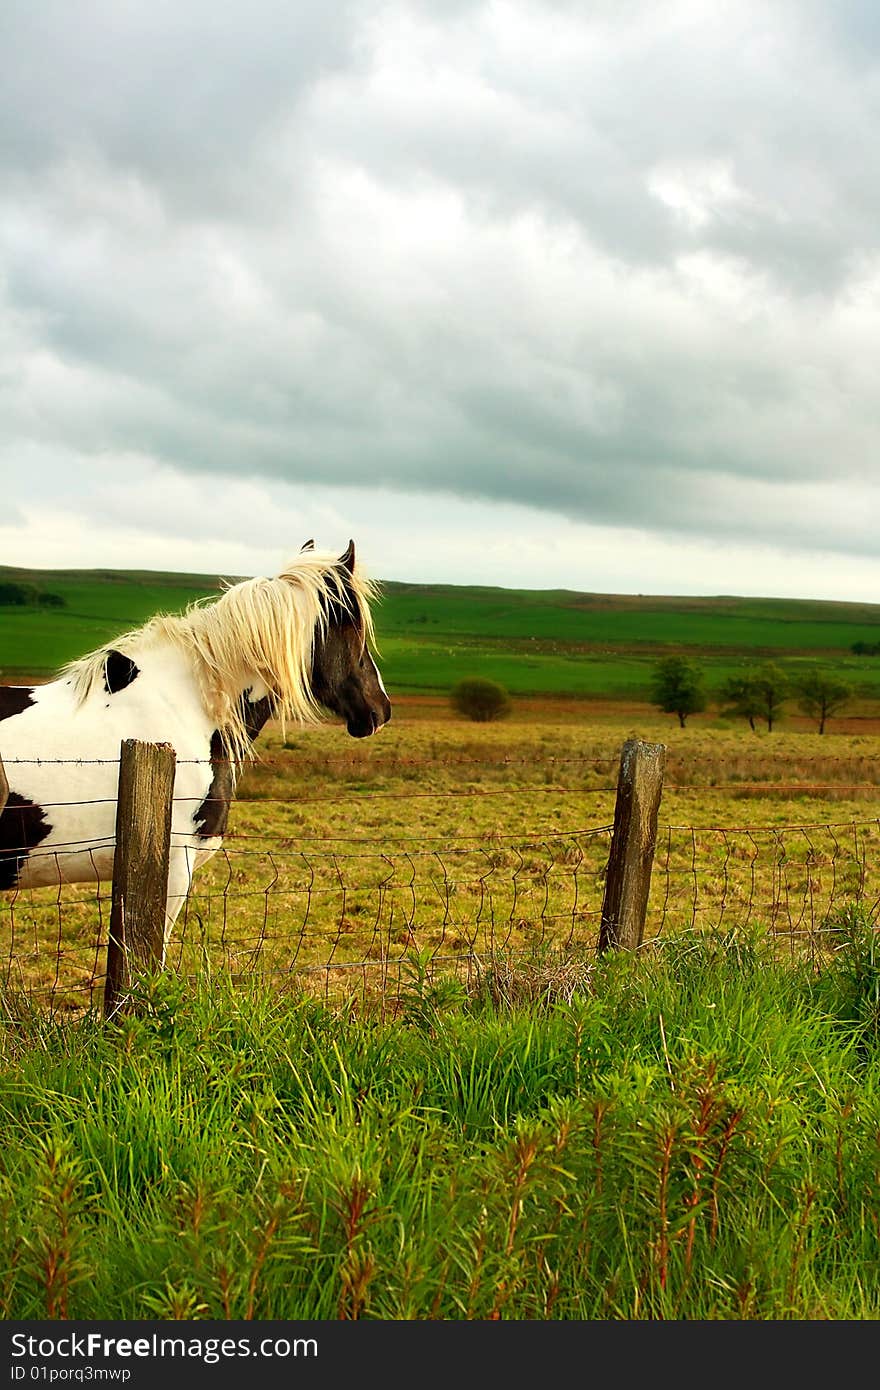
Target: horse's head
{"type": "Point", "coordinates": [345, 677]}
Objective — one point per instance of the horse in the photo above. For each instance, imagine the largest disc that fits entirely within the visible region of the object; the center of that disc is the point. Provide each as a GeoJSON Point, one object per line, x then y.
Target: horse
{"type": "Point", "coordinates": [205, 681]}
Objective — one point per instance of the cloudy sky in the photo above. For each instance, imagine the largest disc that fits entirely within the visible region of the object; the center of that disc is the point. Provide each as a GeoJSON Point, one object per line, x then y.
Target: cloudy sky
{"type": "Point", "coordinates": [535, 294]}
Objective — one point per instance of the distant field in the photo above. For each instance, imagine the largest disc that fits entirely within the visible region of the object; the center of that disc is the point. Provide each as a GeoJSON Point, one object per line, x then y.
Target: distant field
{"type": "Point", "coordinates": [559, 616]}
{"type": "Point", "coordinates": [535, 642]}
{"type": "Point", "coordinates": [98, 606]}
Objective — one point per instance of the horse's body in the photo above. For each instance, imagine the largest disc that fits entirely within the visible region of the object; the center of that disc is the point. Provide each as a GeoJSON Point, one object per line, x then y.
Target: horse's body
{"type": "Point", "coordinates": [206, 682]}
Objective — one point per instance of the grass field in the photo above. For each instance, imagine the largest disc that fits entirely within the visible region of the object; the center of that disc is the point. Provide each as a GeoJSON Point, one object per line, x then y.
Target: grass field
{"type": "Point", "coordinates": [590, 646]}
{"type": "Point", "coordinates": [450, 842]}
{"type": "Point", "coordinates": [691, 1135]}
{"type": "Point", "coordinates": [385, 1074]}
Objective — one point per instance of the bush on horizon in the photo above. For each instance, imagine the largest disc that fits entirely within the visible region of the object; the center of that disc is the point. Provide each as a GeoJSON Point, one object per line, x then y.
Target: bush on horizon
{"type": "Point", "coordinates": [480, 699]}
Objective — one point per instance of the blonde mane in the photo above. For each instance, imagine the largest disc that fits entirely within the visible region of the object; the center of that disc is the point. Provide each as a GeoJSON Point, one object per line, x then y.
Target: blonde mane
{"type": "Point", "coordinates": [259, 628]}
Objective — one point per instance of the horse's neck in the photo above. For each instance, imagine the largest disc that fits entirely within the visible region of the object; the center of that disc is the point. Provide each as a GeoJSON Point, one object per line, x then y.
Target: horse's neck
{"type": "Point", "coordinates": [255, 704]}
{"type": "Point", "coordinates": [171, 669]}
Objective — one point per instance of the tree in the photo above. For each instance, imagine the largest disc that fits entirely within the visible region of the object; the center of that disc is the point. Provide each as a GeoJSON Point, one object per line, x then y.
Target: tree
{"type": "Point", "coordinates": [773, 688]}
{"type": "Point", "coordinates": [22, 595]}
{"type": "Point", "coordinates": [821, 695]}
{"type": "Point", "coordinates": [479, 699]}
{"type": "Point", "coordinates": [677, 687]}
{"type": "Point", "coordinates": [740, 696]}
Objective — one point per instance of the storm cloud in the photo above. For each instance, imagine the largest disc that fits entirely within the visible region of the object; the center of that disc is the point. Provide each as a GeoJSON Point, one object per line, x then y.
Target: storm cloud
{"type": "Point", "coordinates": [510, 270]}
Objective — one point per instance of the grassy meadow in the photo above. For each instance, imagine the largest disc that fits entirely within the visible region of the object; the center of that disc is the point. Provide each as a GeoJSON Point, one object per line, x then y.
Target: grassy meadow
{"type": "Point", "coordinates": [534, 642]}
{"type": "Point", "coordinates": [386, 1075]}
{"type": "Point", "coordinates": [451, 843]}
{"type": "Point", "coordinates": [686, 1135]}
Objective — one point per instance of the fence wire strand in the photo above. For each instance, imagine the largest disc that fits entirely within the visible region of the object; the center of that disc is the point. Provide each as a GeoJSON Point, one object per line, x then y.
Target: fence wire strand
{"type": "Point", "coordinates": [349, 910]}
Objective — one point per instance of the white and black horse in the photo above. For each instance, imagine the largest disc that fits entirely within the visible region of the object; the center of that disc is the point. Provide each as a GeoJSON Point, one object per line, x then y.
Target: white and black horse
{"type": "Point", "coordinates": [205, 681]}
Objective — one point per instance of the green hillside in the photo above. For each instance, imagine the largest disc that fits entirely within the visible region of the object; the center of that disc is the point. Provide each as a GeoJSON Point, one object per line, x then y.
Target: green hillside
{"type": "Point", "coordinates": [554, 641]}
{"type": "Point", "coordinates": [629, 622]}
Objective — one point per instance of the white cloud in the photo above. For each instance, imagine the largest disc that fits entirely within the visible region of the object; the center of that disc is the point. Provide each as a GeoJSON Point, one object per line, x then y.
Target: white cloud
{"type": "Point", "coordinates": [464, 279]}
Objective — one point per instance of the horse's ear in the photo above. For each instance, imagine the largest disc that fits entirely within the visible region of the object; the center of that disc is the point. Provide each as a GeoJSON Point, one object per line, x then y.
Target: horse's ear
{"type": "Point", "coordinates": [347, 560]}
{"type": "Point", "coordinates": [307, 545]}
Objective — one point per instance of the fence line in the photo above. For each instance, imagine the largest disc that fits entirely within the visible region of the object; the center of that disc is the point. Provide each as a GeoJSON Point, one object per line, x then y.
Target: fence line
{"type": "Point", "coordinates": [335, 907]}
{"type": "Point", "coordinates": [284, 912]}
{"type": "Point", "coordinates": [529, 789]}
{"type": "Point", "coordinates": [382, 761]}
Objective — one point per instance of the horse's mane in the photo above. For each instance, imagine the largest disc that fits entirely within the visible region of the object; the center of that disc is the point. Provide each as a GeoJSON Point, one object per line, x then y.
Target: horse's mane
{"type": "Point", "coordinates": [257, 627]}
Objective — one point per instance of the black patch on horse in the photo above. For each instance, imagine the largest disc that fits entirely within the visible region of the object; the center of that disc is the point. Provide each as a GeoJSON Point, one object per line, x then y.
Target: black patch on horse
{"type": "Point", "coordinates": [343, 611]}
{"type": "Point", "coordinates": [212, 816]}
{"type": "Point", "coordinates": [255, 713]}
{"type": "Point", "coordinates": [119, 672]}
{"type": "Point", "coordinates": [14, 699]}
{"type": "Point", "coordinates": [23, 825]}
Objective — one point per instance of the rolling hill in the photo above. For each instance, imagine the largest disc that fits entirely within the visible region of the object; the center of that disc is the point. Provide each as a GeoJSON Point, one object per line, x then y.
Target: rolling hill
{"type": "Point", "coordinates": [554, 641]}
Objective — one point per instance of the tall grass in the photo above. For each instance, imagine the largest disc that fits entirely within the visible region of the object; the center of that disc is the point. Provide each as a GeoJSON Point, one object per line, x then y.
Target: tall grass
{"type": "Point", "coordinates": [693, 1133]}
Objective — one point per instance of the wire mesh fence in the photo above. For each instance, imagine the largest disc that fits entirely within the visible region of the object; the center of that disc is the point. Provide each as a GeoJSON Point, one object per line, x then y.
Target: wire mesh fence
{"type": "Point", "coordinates": [343, 909]}
{"type": "Point", "coordinates": [793, 880]}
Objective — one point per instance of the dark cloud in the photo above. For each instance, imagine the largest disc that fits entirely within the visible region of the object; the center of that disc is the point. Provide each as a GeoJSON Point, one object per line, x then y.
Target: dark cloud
{"type": "Point", "coordinates": [619, 265]}
{"type": "Point", "coordinates": [189, 98]}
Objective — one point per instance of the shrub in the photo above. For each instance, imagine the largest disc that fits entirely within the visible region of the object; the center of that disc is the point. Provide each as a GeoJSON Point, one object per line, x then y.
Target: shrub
{"type": "Point", "coordinates": [479, 699]}
{"type": "Point", "coordinates": [23, 595]}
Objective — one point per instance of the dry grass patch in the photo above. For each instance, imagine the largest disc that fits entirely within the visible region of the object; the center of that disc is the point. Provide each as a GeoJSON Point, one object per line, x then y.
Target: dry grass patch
{"type": "Point", "coordinates": [345, 858]}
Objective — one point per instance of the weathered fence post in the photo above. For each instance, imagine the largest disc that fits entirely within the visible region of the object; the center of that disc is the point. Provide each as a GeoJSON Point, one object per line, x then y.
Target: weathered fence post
{"type": "Point", "coordinates": [628, 881]}
{"type": "Point", "coordinates": [4, 787]}
{"type": "Point", "coordinates": [140, 866]}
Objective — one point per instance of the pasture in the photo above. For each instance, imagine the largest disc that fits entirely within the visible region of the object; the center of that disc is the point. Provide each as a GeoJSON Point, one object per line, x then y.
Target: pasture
{"type": "Point", "coordinates": [536, 643]}
{"type": "Point", "coordinates": [450, 844]}
{"type": "Point", "coordinates": [687, 1135]}
{"type": "Point", "coordinates": [385, 1074]}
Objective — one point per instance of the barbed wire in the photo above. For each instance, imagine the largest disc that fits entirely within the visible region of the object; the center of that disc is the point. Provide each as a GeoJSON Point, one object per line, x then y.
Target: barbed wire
{"type": "Point", "coordinates": [308, 910]}
{"type": "Point", "coordinates": [328, 907]}
{"type": "Point", "coordinates": [437, 794]}
{"type": "Point", "coordinates": [395, 761]}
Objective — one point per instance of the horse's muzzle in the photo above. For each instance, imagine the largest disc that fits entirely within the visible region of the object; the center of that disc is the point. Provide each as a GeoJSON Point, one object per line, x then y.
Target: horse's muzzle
{"type": "Point", "coordinates": [364, 727]}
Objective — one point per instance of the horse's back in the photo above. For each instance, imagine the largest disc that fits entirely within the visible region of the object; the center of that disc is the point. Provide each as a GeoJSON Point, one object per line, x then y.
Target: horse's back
{"type": "Point", "coordinates": [61, 758]}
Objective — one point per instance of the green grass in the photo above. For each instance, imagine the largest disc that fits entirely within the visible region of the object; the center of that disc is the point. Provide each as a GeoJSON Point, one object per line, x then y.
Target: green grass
{"type": "Point", "coordinates": [410, 667]}
{"type": "Point", "coordinates": [533, 642]}
{"type": "Point", "coordinates": [688, 1135]}
{"type": "Point", "coordinates": [622, 620]}
{"type": "Point", "coordinates": [98, 606]}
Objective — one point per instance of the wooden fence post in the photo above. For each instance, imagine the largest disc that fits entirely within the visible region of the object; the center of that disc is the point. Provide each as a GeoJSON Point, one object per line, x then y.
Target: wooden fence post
{"type": "Point", "coordinates": [4, 787]}
{"type": "Point", "coordinates": [140, 866]}
{"type": "Point", "coordinates": [628, 881]}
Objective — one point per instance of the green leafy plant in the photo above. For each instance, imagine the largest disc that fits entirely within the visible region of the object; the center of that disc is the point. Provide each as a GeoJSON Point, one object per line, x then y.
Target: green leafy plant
{"type": "Point", "coordinates": [677, 687]}
{"type": "Point", "coordinates": [741, 698]}
{"type": "Point", "coordinates": [480, 699]}
{"type": "Point", "coordinates": [821, 695]}
{"type": "Point", "coordinates": [772, 687]}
